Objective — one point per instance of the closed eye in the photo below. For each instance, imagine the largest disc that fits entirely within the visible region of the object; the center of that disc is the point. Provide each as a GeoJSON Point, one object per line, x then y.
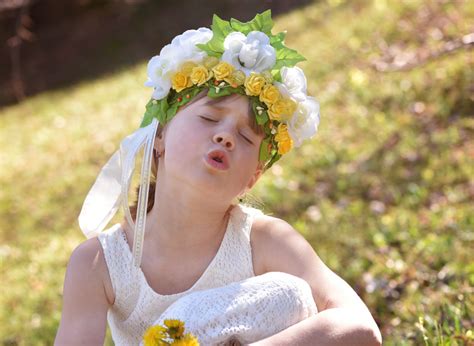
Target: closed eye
{"type": "Point", "coordinates": [215, 121]}
{"type": "Point", "coordinates": [248, 140]}
{"type": "Point", "coordinates": [208, 119]}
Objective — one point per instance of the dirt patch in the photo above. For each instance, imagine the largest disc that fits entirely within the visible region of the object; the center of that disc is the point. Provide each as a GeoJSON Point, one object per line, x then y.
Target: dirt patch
{"type": "Point", "coordinates": [68, 42]}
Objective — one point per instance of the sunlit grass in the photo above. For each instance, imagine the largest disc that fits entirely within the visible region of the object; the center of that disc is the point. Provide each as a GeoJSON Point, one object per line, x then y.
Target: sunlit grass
{"type": "Point", "coordinates": [382, 192]}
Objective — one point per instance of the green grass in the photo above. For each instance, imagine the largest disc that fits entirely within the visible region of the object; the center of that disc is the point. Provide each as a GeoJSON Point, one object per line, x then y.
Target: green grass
{"type": "Point", "coordinates": [383, 192]}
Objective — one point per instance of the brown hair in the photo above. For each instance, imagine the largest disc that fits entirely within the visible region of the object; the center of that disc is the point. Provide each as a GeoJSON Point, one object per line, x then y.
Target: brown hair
{"type": "Point", "coordinates": [154, 166]}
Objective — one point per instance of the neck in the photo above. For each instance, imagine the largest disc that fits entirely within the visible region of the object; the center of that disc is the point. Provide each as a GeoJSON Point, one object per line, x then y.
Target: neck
{"type": "Point", "coordinates": [181, 221]}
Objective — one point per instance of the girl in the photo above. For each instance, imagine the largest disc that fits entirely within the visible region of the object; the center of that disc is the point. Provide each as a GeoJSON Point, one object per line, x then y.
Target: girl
{"type": "Point", "coordinates": [226, 105]}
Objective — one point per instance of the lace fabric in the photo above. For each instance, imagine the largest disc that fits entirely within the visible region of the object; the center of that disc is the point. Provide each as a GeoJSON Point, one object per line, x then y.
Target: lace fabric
{"type": "Point", "coordinates": [245, 311]}
{"type": "Point", "coordinates": [137, 305]}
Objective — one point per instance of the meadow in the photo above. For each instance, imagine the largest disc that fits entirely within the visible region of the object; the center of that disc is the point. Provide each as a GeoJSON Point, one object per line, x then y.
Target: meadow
{"type": "Point", "coordinates": [383, 192]}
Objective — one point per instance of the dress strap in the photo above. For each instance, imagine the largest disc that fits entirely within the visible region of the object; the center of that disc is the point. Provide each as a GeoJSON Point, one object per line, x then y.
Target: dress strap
{"type": "Point", "coordinates": [123, 274]}
{"type": "Point", "coordinates": [245, 218]}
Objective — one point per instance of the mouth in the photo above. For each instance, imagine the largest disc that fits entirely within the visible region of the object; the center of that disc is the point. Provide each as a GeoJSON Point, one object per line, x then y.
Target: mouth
{"type": "Point", "coordinates": [217, 159]}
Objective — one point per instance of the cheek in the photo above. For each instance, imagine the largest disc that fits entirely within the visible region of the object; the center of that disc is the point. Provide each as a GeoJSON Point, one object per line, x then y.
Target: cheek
{"type": "Point", "coordinates": [247, 164]}
{"type": "Point", "coordinates": [184, 140]}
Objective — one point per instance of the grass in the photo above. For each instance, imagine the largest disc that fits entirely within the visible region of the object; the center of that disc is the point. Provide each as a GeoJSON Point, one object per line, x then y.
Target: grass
{"type": "Point", "coordinates": [383, 192]}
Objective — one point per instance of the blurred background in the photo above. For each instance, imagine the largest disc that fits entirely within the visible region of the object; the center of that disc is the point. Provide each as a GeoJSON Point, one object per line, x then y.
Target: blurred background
{"type": "Point", "coordinates": [383, 192]}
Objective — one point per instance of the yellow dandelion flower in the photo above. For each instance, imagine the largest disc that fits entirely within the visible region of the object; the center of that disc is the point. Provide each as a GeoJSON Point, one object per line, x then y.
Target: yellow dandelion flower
{"type": "Point", "coordinates": [153, 336]}
{"type": "Point", "coordinates": [175, 328]}
{"type": "Point", "coordinates": [187, 340]}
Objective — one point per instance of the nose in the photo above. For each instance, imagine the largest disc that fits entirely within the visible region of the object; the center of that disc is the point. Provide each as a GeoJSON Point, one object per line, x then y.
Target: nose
{"type": "Point", "coordinates": [225, 138]}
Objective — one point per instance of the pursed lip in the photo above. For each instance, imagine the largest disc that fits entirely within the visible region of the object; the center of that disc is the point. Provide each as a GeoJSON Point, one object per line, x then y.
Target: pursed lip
{"type": "Point", "coordinates": [218, 159]}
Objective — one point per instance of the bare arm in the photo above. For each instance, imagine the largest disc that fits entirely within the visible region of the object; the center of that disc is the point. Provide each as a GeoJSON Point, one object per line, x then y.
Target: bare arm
{"type": "Point", "coordinates": [85, 303]}
{"type": "Point", "coordinates": [342, 319]}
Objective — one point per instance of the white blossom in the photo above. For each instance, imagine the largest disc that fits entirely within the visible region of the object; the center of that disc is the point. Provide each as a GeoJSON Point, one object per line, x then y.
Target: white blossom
{"type": "Point", "coordinates": [293, 83]}
{"type": "Point", "coordinates": [305, 121]}
{"type": "Point", "coordinates": [251, 53]}
{"type": "Point", "coordinates": [182, 48]}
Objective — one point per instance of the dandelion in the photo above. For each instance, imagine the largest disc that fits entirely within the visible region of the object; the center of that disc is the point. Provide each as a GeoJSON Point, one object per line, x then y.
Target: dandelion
{"type": "Point", "coordinates": [153, 336]}
{"type": "Point", "coordinates": [175, 328]}
{"type": "Point", "coordinates": [172, 333]}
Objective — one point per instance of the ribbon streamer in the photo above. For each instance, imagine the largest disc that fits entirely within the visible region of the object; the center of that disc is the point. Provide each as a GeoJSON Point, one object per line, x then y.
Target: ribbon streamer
{"type": "Point", "coordinates": [112, 186]}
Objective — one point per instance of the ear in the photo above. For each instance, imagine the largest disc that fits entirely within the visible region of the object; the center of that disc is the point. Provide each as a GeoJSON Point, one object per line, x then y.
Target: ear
{"type": "Point", "coordinates": [159, 143]}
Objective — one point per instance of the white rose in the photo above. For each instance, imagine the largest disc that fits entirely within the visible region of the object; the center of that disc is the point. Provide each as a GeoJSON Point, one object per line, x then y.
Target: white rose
{"type": "Point", "coordinates": [251, 53]}
{"type": "Point", "coordinates": [186, 43]}
{"type": "Point", "coordinates": [305, 121]}
{"type": "Point", "coordinates": [157, 78]}
{"type": "Point", "coordinates": [293, 83]}
{"type": "Point", "coordinates": [182, 48]}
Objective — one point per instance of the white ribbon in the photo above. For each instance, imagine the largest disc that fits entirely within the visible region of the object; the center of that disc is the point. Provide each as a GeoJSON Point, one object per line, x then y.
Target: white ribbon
{"type": "Point", "coordinates": [112, 186]}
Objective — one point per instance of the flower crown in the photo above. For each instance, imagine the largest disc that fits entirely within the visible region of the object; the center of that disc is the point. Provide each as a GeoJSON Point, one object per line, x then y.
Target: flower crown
{"type": "Point", "coordinates": [236, 57]}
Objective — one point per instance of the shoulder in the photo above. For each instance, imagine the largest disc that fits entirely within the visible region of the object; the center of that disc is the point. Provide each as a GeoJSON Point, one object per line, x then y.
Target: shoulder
{"type": "Point", "coordinates": [87, 256]}
{"type": "Point", "coordinates": [272, 235]}
{"type": "Point", "coordinates": [279, 247]}
{"type": "Point", "coordinates": [85, 304]}
{"type": "Point", "coordinates": [87, 267]}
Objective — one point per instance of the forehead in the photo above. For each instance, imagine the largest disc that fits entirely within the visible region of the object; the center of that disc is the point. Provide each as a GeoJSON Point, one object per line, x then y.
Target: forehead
{"type": "Point", "coordinates": [227, 103]}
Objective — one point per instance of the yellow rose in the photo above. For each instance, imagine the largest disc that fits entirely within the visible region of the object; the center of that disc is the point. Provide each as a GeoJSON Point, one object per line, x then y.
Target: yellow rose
{"type": "Point", "coordinates": [180, 81]}
{"type": "Point", "coordinates": [200, 75]}
{"type": "Point", "coordinates": [285, 143]}
{"type": "Point", "coordinates": [282, 109]}
{"type": "Point", "coordinates": [210, 61]}
{"type": "Point", "coordinates": [222, 70]}
{"type": "Point", "coordinates": [187, 67]}
{"type": "Point", "coordinates": [237, 78]}
{"type": "Point", "coordinates": [254, 84]}
{"type": "Point", "coordinates": [268, 76]}
{"type": "Point", "coordinates": [291, 106]}
{"type": "Point", "coordinates": [270, 94]}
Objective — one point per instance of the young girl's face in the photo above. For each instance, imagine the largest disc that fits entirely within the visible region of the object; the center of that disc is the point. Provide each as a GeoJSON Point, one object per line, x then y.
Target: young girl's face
{"type": "Point", "coordinates": [208, 126]}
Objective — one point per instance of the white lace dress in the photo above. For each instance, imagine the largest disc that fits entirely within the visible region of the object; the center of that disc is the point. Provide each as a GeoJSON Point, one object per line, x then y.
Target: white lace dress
{"type": "Point", "coordinates": [137, 306]}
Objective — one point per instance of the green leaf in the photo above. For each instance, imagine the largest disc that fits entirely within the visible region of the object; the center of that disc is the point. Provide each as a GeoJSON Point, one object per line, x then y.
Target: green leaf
{"type": "Point", "coordinates": [264, 154]}
{"type": "Point", "coordinates": [284, 56]}
{"type": "Point", "coordinates": [213, 93]}
{"type": "Point", "coordinates": [171, 112]}
{"type": "Point", "coordinates": [275, 158]}
{"type": "Point", "coordinates": [148, 116]}
{"type": "Point", "coordinates": [191, 91]}
{"type": "Point", "coordinates": [287, 57]}
{"type": "Point", "coordinates": [220, 29]}
{"type": "Point", "coordinates": [277, 40]}
{"type": "Point", "coordinates": [204, 47]}
{"type": "Point", "coordinates": [224, 91]}
{"type": "Point", "coordinates": [261, 22]}
{"type": "Point", "coordinates": [276, 75]}
{"type": "Point", "coordinates": [162, 110]}
{"type": "Point", "coordinates": [261, 118]}
{"type": "Point", "coordinates": [155, 109]}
